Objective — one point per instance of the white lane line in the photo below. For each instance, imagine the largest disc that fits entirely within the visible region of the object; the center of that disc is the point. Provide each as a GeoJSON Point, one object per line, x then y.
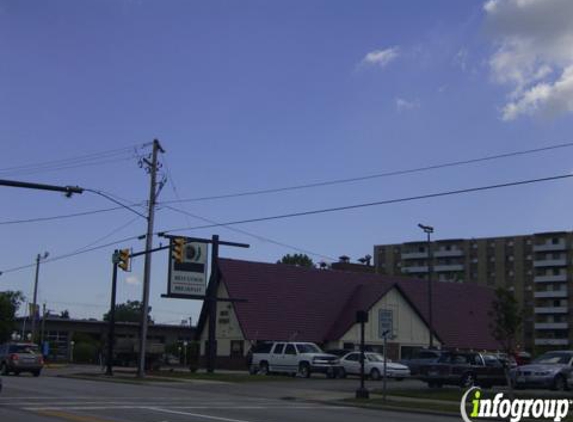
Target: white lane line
{"type": "Point", "coordinates": [197, 415]}
{"type": "Point", "coordinates": [37, 408]}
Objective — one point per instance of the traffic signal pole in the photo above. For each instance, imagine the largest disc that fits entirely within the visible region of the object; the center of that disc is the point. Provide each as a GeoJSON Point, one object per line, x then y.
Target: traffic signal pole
{"type": "Point", "coordinates": [111, 329]}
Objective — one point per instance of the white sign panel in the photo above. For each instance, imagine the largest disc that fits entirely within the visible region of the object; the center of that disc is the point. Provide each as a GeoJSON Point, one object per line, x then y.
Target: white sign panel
{"type": "Point", "coordinates": [189, 277]}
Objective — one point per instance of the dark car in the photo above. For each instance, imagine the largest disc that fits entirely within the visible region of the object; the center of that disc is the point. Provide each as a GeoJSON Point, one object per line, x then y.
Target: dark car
{"type": "Point", "coordinates": [464, 369]}
{"type": "Point", "coordinates": [422, 357]}
{"type": "Point", "coordinates": [20, 357]}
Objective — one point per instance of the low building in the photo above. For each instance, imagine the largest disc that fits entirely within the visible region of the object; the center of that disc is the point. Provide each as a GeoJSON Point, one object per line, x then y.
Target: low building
{"type": "Point", "coordinates": [60, 332]}
{"type": "Point", "coordinates": [289, 303]}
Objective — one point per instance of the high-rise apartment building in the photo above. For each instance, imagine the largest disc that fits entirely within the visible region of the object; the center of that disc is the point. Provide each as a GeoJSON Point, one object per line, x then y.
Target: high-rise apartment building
{"type": "Point", "coordinates": [538, 268]}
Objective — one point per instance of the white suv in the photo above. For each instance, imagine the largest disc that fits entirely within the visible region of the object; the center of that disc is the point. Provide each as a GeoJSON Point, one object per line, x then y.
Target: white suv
{"type": "Point", "coordinates": [294, 358]}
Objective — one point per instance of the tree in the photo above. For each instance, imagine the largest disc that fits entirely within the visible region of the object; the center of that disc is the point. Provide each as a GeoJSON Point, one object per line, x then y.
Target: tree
{"type": "Point", "coordinates": [300, 260]}
{"type": "Point", "coordinates": [505, 326]}
{"type": "Point", "coordinates": [10, 301]}
{"type": "Point", "coordinates": [128, 312]}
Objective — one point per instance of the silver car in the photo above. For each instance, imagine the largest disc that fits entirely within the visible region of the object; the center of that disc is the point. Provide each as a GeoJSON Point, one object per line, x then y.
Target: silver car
{"type": "Point", "coordinates": [20, 357]}
{"type": "Point", "coordinates": [550, 370]}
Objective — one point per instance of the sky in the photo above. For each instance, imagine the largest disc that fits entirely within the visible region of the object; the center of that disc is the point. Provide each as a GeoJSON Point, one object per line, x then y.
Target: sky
{"type": "Point", "coordinates": [255, 95]}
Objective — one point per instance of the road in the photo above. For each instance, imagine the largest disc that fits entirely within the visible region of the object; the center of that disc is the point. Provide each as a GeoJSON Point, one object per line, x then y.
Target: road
{"type": "Point", "coordinates": [50, 399]}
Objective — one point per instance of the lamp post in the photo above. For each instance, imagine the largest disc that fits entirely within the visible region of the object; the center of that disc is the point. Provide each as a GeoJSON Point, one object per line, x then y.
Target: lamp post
{"type": "Point", "coordinates": [185, 353]}
{"type": "Point", "coordinates": [72, 351]}
{"type": "Point", "coordinates": [39, 257]}
{"type": "Point", "coordinates": [429, 230]}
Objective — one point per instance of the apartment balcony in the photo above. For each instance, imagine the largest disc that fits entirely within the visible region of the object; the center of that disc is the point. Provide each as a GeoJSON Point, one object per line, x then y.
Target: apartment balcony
{"type": "Point", "coordinates": [550, 278]}
{"type": "Point", "coordinates": [551, 294]}
{"type": "Point", "coordinates": [448, 254]}
{"type": "Point", "coordinates": [560, 262]}
{"type": "Point", "coordinates": [551, 310]}
{"type": "Point", "coordinates": [551, 326]}
{"type": "Point", "coordinates": [451, 267]}
{"type": "Point", "coordinates": [551, 341]}
{"type": "Point", "coordinates": [550, 247]}
{"type": "Point", "coordinates": [414, 255]}
{"type": "Point", "coordinates": [414, 270]}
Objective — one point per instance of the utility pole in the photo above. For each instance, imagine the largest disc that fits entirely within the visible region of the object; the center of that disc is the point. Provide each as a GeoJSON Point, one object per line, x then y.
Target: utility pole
{"type": "Point", "coordinates": [35, 303]}
{"type": "Point", "coordinates": [152, 169]}
{"type": "Point", "coordinates": [211, 301]}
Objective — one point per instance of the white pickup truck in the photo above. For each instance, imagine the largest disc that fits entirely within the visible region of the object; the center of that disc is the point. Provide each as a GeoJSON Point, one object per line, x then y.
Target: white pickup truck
{"type": "Point", "coordinates": [294, 358]}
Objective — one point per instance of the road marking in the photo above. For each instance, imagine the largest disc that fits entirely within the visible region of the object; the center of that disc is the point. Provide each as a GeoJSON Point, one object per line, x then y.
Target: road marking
{"type": "Point", "coordinates": [49, 408]}
{"type": "Point", "coordinates": [198, 415]}
{"type": "Point", "coordinates": [72, 417]}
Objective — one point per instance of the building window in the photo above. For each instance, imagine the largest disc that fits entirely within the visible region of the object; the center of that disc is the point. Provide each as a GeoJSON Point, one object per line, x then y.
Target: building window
{"type": "Point", "coordinates": [385, 322]}
{"type": "Point", "coordinates": [237, 348]}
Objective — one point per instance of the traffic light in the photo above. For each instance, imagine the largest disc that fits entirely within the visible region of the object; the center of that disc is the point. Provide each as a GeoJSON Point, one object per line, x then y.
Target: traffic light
{"type": "Point", "coordinates": [124, 259]}
{"type": "Point", "coordinates": [178, 249]}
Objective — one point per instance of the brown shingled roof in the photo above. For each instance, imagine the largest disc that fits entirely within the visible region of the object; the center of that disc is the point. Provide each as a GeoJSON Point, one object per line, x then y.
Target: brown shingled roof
{"type": "Point", "coordinates": [286, 302]}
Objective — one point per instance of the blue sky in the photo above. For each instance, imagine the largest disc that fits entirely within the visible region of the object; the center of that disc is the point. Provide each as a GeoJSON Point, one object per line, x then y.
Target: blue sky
{"type": "Point", "coordinates": [247, 95]}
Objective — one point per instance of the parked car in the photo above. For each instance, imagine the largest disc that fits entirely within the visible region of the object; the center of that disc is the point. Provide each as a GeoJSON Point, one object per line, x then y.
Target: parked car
{"type": "Point", "coordinates": [294, 358]}
{"type": "Point", "coordinates": [338, 352]}
{"type": "Point", "coordinates": [373, 366]}
{"type": "Point", "coordinates": [550, 370]}
{"type": "Point", "coordinates": [422, 357]}
{"type": "Point", "coordinates": [464, 369]}
{"type": "Point", "coordinates": [20, 357]}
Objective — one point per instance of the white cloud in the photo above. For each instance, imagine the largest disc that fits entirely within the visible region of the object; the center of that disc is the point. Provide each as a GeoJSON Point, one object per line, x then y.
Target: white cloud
{"type": "Point", "coordinates": [461, 59]}
{"type": "Point", "coordinates": [533, 55]}
{"type": "Point", "coordinates": [381, 58]}
{"type": "Point", "coordinates": [405, 105]}
{"type": "Point", "coordinates": [132, 280]}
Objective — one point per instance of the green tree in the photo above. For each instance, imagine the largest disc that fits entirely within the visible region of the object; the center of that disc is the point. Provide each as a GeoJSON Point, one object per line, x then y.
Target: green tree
{"type": "Point", "coordinates": [128, 312]}
{"type": "Point", "coordinates": [10, 301]}
{"type": "Point", "coordinates": [507, 320]}
{"type": "Point", "coordinates": [300, 260]}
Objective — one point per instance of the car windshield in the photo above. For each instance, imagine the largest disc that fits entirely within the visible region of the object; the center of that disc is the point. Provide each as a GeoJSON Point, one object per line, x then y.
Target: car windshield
{"type": "Point", "coordinates": [23, 348]}
{"type": "Point", "coordinates": [376, 357]}
{"type": "Point", "coordinates": [307, 348]}
{"type": "Point", "coordinates": [553, 358]}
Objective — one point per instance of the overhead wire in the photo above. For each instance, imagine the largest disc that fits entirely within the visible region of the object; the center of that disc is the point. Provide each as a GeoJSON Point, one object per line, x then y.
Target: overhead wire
{"type": "Point", "coordinates": [372, 176]}
{"type": "Point", "coordinates": [376, 203]}
{"type": "Point", "coordinates": [234, 229]}
{"type": "Point", "coordinates": [101, 157]}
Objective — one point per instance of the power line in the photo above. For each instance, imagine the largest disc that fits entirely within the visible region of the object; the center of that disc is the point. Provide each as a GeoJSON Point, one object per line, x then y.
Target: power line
{"type": "Point", "coordinates": [371, 204]}
{"type": "Point", "coordinates": [102, 157]}
{"type": "Point", "coordinates": [372, 176]}
{"type": "Point", "coordinates": [60, 217]}
{"type": "Point", "coordinates": [311, 212]}
{"type": "Point", "coordinates": [251, 234]}
{"type": "Point", "coordinates": [72, 254]}
{"type": "Point", "coordinates": [244, 232]}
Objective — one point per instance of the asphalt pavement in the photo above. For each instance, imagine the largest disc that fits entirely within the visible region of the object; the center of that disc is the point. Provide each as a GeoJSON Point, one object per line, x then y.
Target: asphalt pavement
{"type": "Point", "coordinates": [49, 398]}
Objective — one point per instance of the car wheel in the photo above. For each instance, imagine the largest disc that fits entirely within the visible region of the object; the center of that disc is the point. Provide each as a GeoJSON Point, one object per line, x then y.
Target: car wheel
{"type": "Point", "coordinates": [264, 368]}
{"type": "Point", "coordinates": [468, 380]}
{"type": "Point", "coordinates": [36, 373]}
{"type": "Point", "coordinates": [375, 374]}
{"type": "Point", "coordinates": [341, 373]}
{"type": "Point", "coordinates": [434, 384]}
{"type": "Point", "coordinates": [400, 379]}
{"type": "Point", "coordinates": [304, 370]}
{"type": "Point", "coordinates": [4, 369]}
{"type": "Point", "coordinates": [559, 383]}
{"type": "Point", "coordinates": [330, 373]}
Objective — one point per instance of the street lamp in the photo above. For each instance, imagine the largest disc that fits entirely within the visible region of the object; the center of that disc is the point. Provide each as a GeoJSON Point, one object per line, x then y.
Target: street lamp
{"type": "Point", "coordinates": [39, 257]}
{"type": "Point", "coordinates": [72, 351]}
{"type": "Point", "coordinates": [185, 353]}
{"type": "Point", "coordinates": [429, 230]}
